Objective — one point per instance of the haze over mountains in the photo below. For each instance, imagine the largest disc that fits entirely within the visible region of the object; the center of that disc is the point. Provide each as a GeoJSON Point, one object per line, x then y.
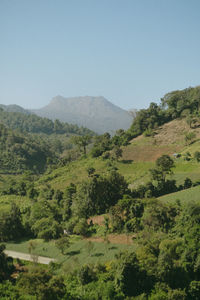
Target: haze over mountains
{"type": "Point", "coordinates": [95, 113]}
{"type": "Point", "coordinates": [14, 108]}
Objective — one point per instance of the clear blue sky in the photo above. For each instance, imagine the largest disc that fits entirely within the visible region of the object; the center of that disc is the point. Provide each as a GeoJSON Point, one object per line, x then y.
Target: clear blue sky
{"type": "Point", "coordinates": [130, 51]}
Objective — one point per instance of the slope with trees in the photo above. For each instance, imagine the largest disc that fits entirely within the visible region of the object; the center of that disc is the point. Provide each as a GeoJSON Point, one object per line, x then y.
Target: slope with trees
{"type": "Point", "coordinates": [163, 261]}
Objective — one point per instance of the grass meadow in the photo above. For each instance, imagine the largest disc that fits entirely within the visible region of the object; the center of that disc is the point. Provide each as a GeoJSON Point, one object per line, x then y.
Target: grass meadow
{"type": "Point", "coordinates": [81, 251]}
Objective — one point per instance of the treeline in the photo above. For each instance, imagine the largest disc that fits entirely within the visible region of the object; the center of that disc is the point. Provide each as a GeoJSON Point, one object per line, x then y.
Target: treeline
{"type": "Point", "coordinates": [176, 104]}
{"type": "Point", "coordinates": [32, 123]}
{"type": "Point", "coordinates": [173, 105]}
{"type": "Point", "coordinates": [19, 152]}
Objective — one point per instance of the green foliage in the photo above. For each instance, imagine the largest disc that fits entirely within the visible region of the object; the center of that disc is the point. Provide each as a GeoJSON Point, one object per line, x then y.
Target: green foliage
{"type": "Point", "coordinates": [86, 274]}
{"type": "Point", "coordinates": [98, 193]}
{"type": "Point", "coordinates": [189, 137]}
{"type": "Point", "coordinates": [117, 151]}
{"type": "Point", "coordinates": [148, 132]}
{"type": "Point", "coordinates": [81, 142]}
{"type": "Point", "coordinates": [194, 290]}
{"type": "Point", "coordinates": [130, 279]}
{"type": "Point", "coordinates": [126, 214]}
{"type": "Point", "coordinates": [19, 152]}
{"type": "Point", "coordinates": [81, 228]}
{"type": "Point", "coordinates": [178, 101]}
{"type": "Point", "coordinates": [158, 216]}
{"type": "Point", "coordinates": [41, 284]}
{"type": "Point", "coordinates": [32, 123]}
{"type": "Point", "coordinates": [63, 244]}
{"type": "Point", "coordinates": [6, 264]}
{"type": "Point", "coordinates": [187, 183]}
{"type": "Point", "coordinates": [148, 119]}
{"type": "Point", "coordinates": [47, 228]}
{"type": "Point", "coordinates": [166, 261]}
{"type": "Point", "coordinates": [197, 156]}
{"type": "Point", "coordinates": [8, 291]}
{"type": "Point", "coordinates": [102, 143]}
{"type": "Point", "coordinates": [165, 163]}
{"type": "Point", "coordinates": [173, 105]}
{"type": "Point", "coordinates": [11, 224]}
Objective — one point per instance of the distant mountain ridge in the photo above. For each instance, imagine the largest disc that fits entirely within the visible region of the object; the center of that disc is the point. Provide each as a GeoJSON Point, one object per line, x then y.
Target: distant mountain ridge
{"type": "Point", "coordinates": [95, 113]}
{"type": "Point", "coordinates": [14, 108]}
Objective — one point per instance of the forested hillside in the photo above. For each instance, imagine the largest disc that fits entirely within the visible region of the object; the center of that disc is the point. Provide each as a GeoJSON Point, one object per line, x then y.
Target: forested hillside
{"type": "Point", "coordinates": [119, 214]}
{"type": "Point", "coordinates": [177, 104]}
{"type": "Point", "coordinates": [19, 153]}
{"type": "Point", "coordinates": [34, 124]}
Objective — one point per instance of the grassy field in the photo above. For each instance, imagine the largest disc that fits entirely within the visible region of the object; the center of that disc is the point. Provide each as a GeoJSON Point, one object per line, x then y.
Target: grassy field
{"type": "Point", "coordinates": [135, 173]}
{"type": "Point", "coordinates": [192, 194]}
{"type": "Point", "coordinates": [77, 171]}
{"type": "Point", "coordinates": [80, 251]}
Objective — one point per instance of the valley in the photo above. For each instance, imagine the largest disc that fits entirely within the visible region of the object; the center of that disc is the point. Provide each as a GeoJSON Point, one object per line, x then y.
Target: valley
{"type": "Point", "coordinates": [118, 213]}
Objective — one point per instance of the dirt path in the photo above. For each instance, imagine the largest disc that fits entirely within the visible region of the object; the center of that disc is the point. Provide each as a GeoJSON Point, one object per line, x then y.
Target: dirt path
{"type": "Point", "coordinates": [25, 256]}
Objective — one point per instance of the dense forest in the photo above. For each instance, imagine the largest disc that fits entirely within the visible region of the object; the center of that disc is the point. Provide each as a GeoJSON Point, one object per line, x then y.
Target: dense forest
{"type": "Point", "coordinates": [29, 142]}
{"type": "Point", "coordinates": [163, 259]}
{"type": "Point", "coordinates": [32, 123]}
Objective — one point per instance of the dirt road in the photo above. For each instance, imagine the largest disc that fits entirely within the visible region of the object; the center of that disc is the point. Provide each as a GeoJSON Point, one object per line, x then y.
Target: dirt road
{"type": "Point", "coordinates": [32, 257]}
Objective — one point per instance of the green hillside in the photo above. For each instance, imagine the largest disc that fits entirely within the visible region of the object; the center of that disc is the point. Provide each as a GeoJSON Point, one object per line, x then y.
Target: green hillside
{"type": "Point", "coordinates": [185, 196]}
{"type": "Point", "coordinates": [120, 214]}
{"type": "Point", "coordinates": [31, 123]}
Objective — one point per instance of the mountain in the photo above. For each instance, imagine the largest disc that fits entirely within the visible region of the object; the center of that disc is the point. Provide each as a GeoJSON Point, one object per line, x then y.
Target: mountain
{"type": "Point", "coordinates": [14, 108]}
{"type": "Point", "coordinates": [95, 113]}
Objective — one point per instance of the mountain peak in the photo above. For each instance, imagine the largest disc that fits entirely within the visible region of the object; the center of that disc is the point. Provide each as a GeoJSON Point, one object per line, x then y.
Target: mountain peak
{"type": "Point", "coordinates": [95, 113]}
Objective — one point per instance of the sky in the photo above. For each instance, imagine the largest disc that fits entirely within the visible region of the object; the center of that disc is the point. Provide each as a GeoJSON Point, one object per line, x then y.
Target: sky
{"type": "Point", "coordinates": [132, 52]}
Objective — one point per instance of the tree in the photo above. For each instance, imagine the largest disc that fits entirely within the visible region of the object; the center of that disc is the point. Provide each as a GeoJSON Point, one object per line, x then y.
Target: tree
{"type": "Point", "coordinates": [187, 183]}
{"type": "Point", "coordinates": [6, 264]}
{"type": "Point", "coordinates": [169, 266]}
{"type": "Point", "coordinates": [165, 163]}
{"type": "Point", "coordinates": [81, 227]}
{"type": "Point", "coordinates": [11, 224]}
{"type": "Point", "coordinates": [47, 228]}
{"type": "Point", "coordinates": [197, 156]}
{"type": "Point", "coordinates": [41, 284]}
{"type": "Point", "coordinates": [81, 142]}
{"type": "Point", "coordinates": [98, 193]}
{"type": "Point", "coordinates": [63, 244]}
{"type": "Point", "coordinates": [117, 151]}
{"type": "Point", "coordinates": [67, 201]}
{"type": "Point", "coordinates": [86, 274]}
{"type": "Point", "coordinates": [129, 277]}
{"type": "Point", "coordinates": [194, 290]}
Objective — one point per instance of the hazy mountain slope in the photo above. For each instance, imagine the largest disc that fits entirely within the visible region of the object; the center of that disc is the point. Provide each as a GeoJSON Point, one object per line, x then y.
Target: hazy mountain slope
{"type": "Point", "coordinates": [95, 113]}
{"type": "Point", "coordinates": [14, 108]}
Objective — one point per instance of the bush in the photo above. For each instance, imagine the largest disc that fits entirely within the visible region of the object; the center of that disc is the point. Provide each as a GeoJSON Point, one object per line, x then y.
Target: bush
{"type": "Point", "coordinates": [81, 227]}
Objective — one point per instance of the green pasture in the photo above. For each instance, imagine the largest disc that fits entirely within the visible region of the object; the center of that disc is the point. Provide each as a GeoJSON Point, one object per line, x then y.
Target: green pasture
{"type": "Point", "coordinates": [79, 252]}
{"type": "Point", "coordinates": [192, 194]}
{"type": "Point", "coordinates": [76, 171]}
